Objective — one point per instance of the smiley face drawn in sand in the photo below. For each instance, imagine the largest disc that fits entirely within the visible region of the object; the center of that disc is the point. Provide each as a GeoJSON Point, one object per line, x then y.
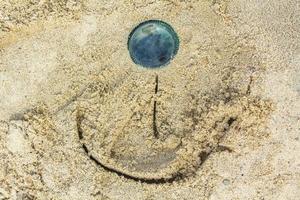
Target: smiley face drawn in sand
{"type": "Point", "coordinates": [160, 125]}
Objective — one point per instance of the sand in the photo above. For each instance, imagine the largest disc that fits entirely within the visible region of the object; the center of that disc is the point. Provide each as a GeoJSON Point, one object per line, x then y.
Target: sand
{"type": "Point", "coordinates": [76, 114]}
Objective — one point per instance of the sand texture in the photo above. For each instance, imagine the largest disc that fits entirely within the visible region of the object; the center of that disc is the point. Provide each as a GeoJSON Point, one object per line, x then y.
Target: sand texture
{"type": "Point", "coordinates": [80, 120]}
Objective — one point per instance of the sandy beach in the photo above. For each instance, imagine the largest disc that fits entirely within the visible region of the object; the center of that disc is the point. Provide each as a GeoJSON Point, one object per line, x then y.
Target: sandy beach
{"type": "Point", "coordinates": [80, 120]}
